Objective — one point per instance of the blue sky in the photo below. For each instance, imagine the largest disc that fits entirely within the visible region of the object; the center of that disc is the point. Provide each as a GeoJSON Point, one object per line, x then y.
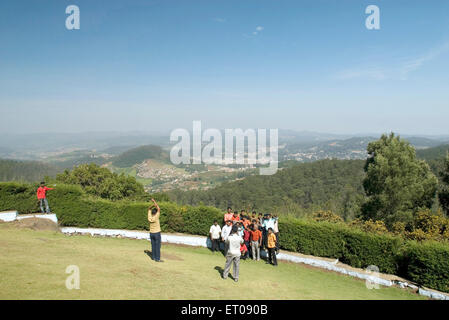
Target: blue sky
{"type": "Point", "coordinates": [159, 65]}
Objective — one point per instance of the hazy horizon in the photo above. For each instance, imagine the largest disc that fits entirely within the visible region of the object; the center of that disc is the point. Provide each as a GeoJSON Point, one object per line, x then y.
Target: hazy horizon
{"type": "Point", "coordinates": [281, 130]}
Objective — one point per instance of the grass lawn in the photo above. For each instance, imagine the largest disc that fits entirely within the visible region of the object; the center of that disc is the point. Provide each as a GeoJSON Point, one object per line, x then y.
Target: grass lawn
{"type": "Point", "coordinates": [33, 264]}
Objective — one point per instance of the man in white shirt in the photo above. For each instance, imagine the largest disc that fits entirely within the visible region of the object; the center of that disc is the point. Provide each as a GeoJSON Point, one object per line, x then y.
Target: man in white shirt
{"type": "Point", "coordinates": [269, 223]}
{"type": "Point", "coordinates": [225, 232]}
{"type": "Point", "coordinates": [233, 256]}
{"type": "Point", "coordinates": [214, 233]}
{"type": "Point", "coordinates": [276, 231]}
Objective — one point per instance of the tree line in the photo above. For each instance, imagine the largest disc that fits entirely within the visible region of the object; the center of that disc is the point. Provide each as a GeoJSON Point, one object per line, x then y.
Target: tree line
{"type": "Point", "coordinates": [391, 186]}
{"type": "Point", "coordinates": [26, 171]}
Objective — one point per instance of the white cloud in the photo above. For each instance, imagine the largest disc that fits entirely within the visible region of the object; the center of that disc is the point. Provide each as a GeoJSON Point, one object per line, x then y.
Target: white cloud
{"type": "Point", "coordinates": [414, 64]}
{"type": "Point", "coordinates": [220, 20]}
{"type": "Point", "coordinates": [258, 30]}
{"type": "Point", "coordinates": [400, 71]}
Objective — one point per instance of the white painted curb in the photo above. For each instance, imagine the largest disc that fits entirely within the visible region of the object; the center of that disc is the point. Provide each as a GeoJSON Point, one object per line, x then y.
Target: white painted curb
{"type": "Point", "coordinates": [9, 216]}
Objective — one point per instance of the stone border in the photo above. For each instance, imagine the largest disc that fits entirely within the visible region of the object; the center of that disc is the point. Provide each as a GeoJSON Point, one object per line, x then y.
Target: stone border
{"type": "Point", "coordinates": [9, 216]}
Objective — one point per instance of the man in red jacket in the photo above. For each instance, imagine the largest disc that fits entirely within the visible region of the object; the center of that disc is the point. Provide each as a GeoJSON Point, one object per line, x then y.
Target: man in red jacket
{"type": "Point", "coordinates": [42, 197]}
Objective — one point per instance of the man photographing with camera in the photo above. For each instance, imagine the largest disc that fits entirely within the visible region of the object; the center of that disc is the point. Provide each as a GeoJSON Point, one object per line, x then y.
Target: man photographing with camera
{"type": "Point", "coordinates": [154, 213]}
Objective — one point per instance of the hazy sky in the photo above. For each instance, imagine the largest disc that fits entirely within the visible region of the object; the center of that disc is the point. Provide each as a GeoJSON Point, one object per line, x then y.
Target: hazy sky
{"type": "Point", "coordinates": [158, 65]}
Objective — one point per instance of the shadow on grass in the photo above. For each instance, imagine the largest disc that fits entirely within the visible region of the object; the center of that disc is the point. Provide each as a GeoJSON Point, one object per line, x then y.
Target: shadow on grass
{"type": "Point", "coordinates": [149, 253]}
{"type": "Point", "coordinates": [221, 270]}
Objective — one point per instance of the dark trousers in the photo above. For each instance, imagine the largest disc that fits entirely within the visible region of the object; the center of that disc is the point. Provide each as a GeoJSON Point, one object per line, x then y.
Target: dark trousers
{"type": "Point", "coordinates": [264, 238]}
{"type": "Point", "coordinates": [215, 244]}
{"type": "Point", "coordinates": [156, 245]}
{"type": "Point", "coordinates": [272, 256]}
{"type": "Point", "coordinates": [248, 252]}
{"type": "Point", "coordinates": [277, 241]}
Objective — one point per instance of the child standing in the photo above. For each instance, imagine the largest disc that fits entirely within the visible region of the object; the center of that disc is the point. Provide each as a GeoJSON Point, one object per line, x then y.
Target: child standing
{"type": "Point", "coordinates": [271, 244]}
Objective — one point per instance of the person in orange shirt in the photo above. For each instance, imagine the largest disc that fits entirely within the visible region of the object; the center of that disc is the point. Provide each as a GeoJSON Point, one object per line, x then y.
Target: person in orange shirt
{"type": "Point", "coordinates": [254, 216]}
{"type": "Point", "coordinates": [246, 222]}
{"type": "Point", "coordinates": [42, 197]}
{"type": "Point", "coordinates": [228, 215]}
{"type": "Point", "coordinates": [271, 244]}
{"type": "Point", "coordinates": [256, 242]}
{"type": "Point", "coordinates": [235, 218]}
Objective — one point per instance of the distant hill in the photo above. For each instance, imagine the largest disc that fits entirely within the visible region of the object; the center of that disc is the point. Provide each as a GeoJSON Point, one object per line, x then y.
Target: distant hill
{"type": "Point", "coordinates": [29, 171]}
{"type": "Point", "coordinates": [5, 151]}
{"type": "Point", "coordinates": [434, 157]}
{"type": "Point", "coordinates": [330, 184]}
{"type": "Point", "coordinates": [140, 154]}
{"type": "Point", "coordinates": [72, 159]}
{"type": "Point", "coordinates": [420, 142]}
{"type": "Point", "coordinates": [116, 150]}
{"type": "Point", "coordinates": [434, 153]}
{"type": "Point", "coordinates": [351, 148]}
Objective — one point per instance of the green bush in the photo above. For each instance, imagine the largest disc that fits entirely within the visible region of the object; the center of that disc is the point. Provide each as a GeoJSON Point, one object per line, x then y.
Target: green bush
{"type": "Point", "coordinates": [354, 247]}
{"type": "Point", "coordinates": [18, 196]}
{"type": "Point", "coordinates": [426, 263]}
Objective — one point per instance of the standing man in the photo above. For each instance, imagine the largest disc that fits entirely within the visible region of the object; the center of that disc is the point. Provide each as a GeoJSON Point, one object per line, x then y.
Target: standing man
{"type": "Point", "coordinates": [276, 231]}
{"type": "Point", "coordinates": [42, 197]}
{"type": "Point", "coordinates": [233, 256]}
{"type": "Point", "coordinates": [225, 232]}
{"type": "Point", "coordinates": [256, 242]}
{"type": "Point", "coordinates": [254, 216]}
{"type": "Point", "coordinates": [268, 222]}
{"type": "Point", "coordinates": [154, 212]}
{"type": "Point", "coordinates": [228, 215]}
{"type": "Point", "coordinates": [235, 217]}
{"type": "Point", "coordinates": [246, 238]}
{"type": "Point", "coordinates": [214, 233]}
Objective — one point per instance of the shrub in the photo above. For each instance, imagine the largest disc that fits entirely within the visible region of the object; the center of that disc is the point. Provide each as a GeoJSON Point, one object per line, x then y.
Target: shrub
{"type": "Point", "coordinates": [326, 216]}
{"type": "Point", "coordinates": [428, 264]}
{"type": "Point", "coordinates": [18, 196]}
{"type": "Point", "coordinates": [351, 246]}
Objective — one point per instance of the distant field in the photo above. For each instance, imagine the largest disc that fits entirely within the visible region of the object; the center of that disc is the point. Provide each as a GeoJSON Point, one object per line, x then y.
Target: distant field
{"type": "Point", "coordinates": [33, 264]}
{"type": "Point", "coordinates": [130, 171]}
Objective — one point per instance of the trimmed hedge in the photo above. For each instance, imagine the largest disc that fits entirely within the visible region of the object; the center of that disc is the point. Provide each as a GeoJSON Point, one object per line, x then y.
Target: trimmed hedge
{"type": "Point", "coordinates": [426, 263]}
{"type": "Point", "coordinates": [351, 246]}
{"type": "Point", "coordinates": [77, 209]}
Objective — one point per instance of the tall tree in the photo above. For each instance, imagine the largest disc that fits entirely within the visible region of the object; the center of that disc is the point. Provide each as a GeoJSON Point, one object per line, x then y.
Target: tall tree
{"type": "Point", "coordinates": [443, 193]}
{"type": "Point", "coordinates": [396, 182]}
{"type": "Point", "coordinates": [103, 183]}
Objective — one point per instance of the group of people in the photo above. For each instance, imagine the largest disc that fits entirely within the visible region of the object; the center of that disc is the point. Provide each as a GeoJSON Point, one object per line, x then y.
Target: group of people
{"type": "Point", "coordinates": [244, 235]}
